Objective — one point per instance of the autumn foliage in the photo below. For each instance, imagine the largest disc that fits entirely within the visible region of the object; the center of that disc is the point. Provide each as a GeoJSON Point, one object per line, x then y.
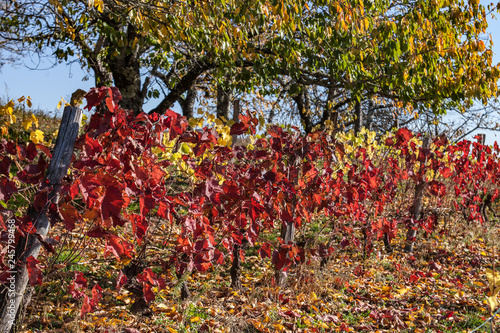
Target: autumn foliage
{"type": "Point", "coordinates": [124, 184]}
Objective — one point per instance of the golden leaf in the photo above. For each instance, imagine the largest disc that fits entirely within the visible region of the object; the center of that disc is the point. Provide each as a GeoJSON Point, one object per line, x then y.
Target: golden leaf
{"type": "Point", "coordinates": [492, 300]}
{"type": "Point", "coordinates": [26, 124]}
{"type": "Point", "coordinates": [36, 136]}
{"type": "Point", "coordinates": [185, 149]}
{"type": "Point", "coordinates": [34, 119]}
{"type": "Point", "coordinates": [61, 103]}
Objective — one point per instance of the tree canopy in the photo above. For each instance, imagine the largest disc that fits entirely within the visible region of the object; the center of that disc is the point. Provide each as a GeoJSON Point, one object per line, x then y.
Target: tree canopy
{"type": "Point", "coordinates": [333, 59]}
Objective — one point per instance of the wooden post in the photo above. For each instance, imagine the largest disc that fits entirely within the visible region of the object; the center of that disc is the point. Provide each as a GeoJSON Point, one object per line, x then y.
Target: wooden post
{"type": "Point", "coordinates": [483, 138]}
{"type": "Point", "coordinates": [417, 205]}
{"type": "Point", "coordinates": [235, 270]}
{"type": "Point", "coordinates": [288, 233]}
{"type": "Point", "coordinates": [30, 246]}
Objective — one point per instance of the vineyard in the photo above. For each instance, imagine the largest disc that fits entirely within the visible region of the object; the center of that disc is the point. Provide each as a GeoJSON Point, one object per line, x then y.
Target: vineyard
{"type": "Point", "coordinates": [164, 224]}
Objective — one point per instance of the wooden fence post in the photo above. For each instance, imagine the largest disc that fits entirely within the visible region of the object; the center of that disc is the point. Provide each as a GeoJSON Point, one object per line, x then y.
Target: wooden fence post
{"type": "Point", "coordinates": [417, 204]}
{"type": "Point", "coordinates": [482, 139]}
{"type": "Point", "coordinates": [10, 307]}
{"type": "Point", "coordinates": [288, 232]}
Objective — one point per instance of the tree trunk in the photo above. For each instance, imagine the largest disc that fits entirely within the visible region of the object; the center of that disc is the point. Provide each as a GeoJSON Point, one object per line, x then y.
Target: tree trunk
{"type": "Point", "coordinates": [30, 245]}
{"type": "Point", "coordinates": [224, 96]}
{"type": "Point", "coordinates": [303, 102]}
{"type": "Point", "coordinates": [102, 76]}
{"type": "Point", "coordinates": [120, 67]}
{"type": "Point", "coordinates": [125, 65]}
{"type": "Point", "coordinates": [235, 270]}
{"type": "Point", "coordinates": [236, 115]}
{"type": "Point", "coordinates": [187, 103]}
{"type": "Point", "coordinates": [417, 206]}
{"type": "Point", "coordinates": [395, 124]}
{"type": "Point", "coordinates": [184, 84]}
{"type": "Point", "coordinates": [358, 123]}
{"type": "Point", "coordinates": [184, 288]}
{"type": "Point", "coordinates": [127, 78]}
{"type": "Point", "coordinates": [369, 117]}
{"type": "Point", "coordinates": [288, 235]}
{"type": "Point", "coordinates": [387, 243]}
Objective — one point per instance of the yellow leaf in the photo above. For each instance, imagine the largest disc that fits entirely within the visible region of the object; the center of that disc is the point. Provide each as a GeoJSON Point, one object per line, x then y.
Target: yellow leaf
{"type": "Point", "coordinates": [34, 119]}
{"type": "Point", "coordinates": [61, 102]}
{"type": "Point", "coordinates": [28, 102]}
{"type": "Point", "coordinates": [4, 130]}
{"type": "Point", "coordinates": [493, 301]}
{"type": "Point", "coordinates": [210, 119]}
{"type": "Point", "coordinates": [126, 260]}
{"type": "Point", "coordinates": [185, 149]}
{"type": "Point", "coordinates": [163, 307]}
{"type": "Point", "coordinates": [157, 150]}
{"type": "Point", "coordinates": [171, 330]}
{"type": "Point", "coordinates": [26, 124]}
{"type": "Point", "coordinates": [314, 298]}
{"type": "Point", "coordinates": [402, 291]}
{"type": "Point", "coordinates": [386, 289]}
{"type": "Point", "coordinates": [323, 325]}
{"type": "Point", "coordinates": [96, 3]}
{"type": "Point", "coordinates": [84, 120]}
{"type": "Point", "coordinates": [493, 278]}
{"type": "Point", "coordinates": [218, 122]}
{"type": "Point", "coordinates": [195, 319]}
{"type": "Point", "coordinates": [36, 136]}
{"type": "Point", "coordinates": [12, 119]}
{"type": "Point", "coordinates": [279, 327]}
{"type": "Point", "coordinates": [196, 122]}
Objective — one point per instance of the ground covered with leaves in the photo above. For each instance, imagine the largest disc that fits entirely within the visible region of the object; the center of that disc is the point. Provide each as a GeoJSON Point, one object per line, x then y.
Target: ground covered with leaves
{"type": "Point", "coordinates": [441, 287]}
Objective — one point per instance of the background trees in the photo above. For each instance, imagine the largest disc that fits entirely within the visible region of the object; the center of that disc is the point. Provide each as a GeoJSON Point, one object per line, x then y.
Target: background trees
{"type": "Point", "coordinates": [336, 61]}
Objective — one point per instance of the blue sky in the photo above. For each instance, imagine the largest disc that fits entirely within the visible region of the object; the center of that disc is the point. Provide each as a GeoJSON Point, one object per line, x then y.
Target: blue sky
{"type": "Point", "coordinates": [48, 83]}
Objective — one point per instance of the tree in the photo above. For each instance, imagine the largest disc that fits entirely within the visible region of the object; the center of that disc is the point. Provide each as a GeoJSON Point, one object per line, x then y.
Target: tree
{"type": "Point", "coordinates": [135, 45]}
{"type": "Point", "coordinates": [109, 43]}
{"type": "Point", "coordinates": [415, 55]}
{"type": "Point", "coordinates": [411, 57]}
{"type": "Point", "coordinates": [459, 125]}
